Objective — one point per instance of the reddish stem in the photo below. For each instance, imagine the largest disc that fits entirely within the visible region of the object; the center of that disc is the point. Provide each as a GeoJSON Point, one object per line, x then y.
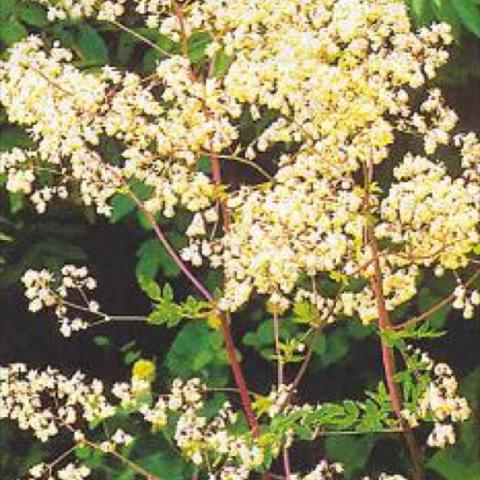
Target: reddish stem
{"type": "Point", "coordinates": [389, 363]}
{"type": "Point", "coordinates": [171, 251]}
{"type": "Point", "coordinates": [239, 378]}
{"type": "Point", "coordinates": [226, 330]}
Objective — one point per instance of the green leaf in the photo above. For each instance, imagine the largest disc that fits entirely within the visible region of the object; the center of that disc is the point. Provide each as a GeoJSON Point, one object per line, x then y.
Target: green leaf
{"type": "Point", "coordinates": [305, 312]}
{"type": "Point", "coordinates": [333, 347]}
{"type": "Point", "coordinates": [167, 293]}
{"type": "Point", "coordinates": [90, 46]}
{"type": "Point", "coordinates": [131, 356]}
{"type": "Point", "coordinates": [17, 200]}
{"type": "Point", "coordinates": [422, 12]}
{"type": "Point", "coordinates": [125, 47]}
{"type": "Point", "coordinates": [469, 12]}
{"type": "Point", "coordinates": [153, 257]}
{"type": "Point", "coordinates": [7, 7]}
{"type": "Point", "coordinates": [63, 32]}
{"type": "Point", "coordinates": [33, 14]}
{"type": "Point", "coordinates": [121, 205]}
{"type": "Point", "coordinates": [12, 136]}
{"type": "Point", "coordinates": [426, 300]}
{"type": "Point", "coordinates": [165, 313]}
{"type": "Point", "coordinates": [150, 287]}
{"type": "Point", "coordinates": [222, 64]}
{"type": "Point", "coordinates": [197, 43]}
{"type": "Point", "coordinates": [12, 31]}
{"type": "Point", "coordinates": [446, 12]}
{"type": "Point", "coordinates": [163, 465]}
{"type": "Point", "coordinates": [195, 347]}
{"type": "Point", "coordinates": [453, 465]}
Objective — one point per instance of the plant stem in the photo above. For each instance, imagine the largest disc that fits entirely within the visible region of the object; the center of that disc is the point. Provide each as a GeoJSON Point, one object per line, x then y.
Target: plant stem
{"type": "Point", "coordinates": [389, 361]}
{"type": "Point", "coordinates": [171, 251]}
{"type": "Point", "coordinates": [140, 37]}
{"type": "Point", "coordinates": [225, 319]}
{"type": "Point", "coordinates": [225, 324]}
{"type": "Point", "coordinates": [238, 376]}
{"type": "Point", "coordinates": [442, 303]}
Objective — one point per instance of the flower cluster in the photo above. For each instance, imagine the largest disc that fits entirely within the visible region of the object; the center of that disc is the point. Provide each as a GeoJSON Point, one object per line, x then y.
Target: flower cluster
{"type": "Point", "coordinates": [71, 471]}
{"type": "Point", "coordinates": [27, 398]}
{"type": "Point", "coordinates": [46, 290]}
{"type": "Point", "coordinates": [465, 300]}
{"type": "Point", "coordinates": [103, 9]}
{"type": "Point", "coordinates": [50, 403]}
{"type": "Point", "coordinates": [200, 439]}
{"type": "Point", "coordinates": [433, 216]}
{"type": "Point", "coordinates": [301, 226]}
{"type": "Point", "coordinates": [440, 403]}
{"type": "Point", "coordinates": [335, 97]}
{"type": "Point", "coordinates": [443, 403]}
{"type": "Point", "coordinates": [68, 112]}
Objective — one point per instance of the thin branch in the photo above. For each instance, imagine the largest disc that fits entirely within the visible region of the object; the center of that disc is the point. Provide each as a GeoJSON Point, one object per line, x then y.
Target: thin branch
{"type": "Point", "coordinates": [446, 301]}
{"type": "Point", "coordinates": [134, 466]}
{"type": "Point", "coordinates": [250, 163]}
{"type": "Point", "coordinates": [318, 328]}
{"type": "Point", "coordinates": [106, 318]}
{"type": "Point", "coordinates": [389, 362]}
{"type": "Point", "coordinates": [171, 251]}
{"type": "Point", "coordinates": [141, 37]}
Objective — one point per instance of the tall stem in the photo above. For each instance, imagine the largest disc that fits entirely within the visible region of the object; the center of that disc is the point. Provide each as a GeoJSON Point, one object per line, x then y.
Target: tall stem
{"type": "Point", "coordinates": [225, 324]}
{"type": "Point", "coordinates": [389, 362]}
{"type": "Point", "coordinates": [226, 330]}
{"type": "Point", "coordinates": [388, 359]}
{"type": "Point", "coordinates": [238, 376]}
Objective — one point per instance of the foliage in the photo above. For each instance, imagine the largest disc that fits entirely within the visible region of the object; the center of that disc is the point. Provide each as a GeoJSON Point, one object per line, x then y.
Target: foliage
{"type": "Point", "coordinates": [324, 331]}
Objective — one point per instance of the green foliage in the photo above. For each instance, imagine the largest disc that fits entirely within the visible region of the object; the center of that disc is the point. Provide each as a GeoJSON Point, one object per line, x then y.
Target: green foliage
{"type": "Point", "coordinates": [21, 454]}
{"type": "Point", "coordinates": [152, 258]}
{"type": "Point", "coordinates": [263, 340]}
{"type": "Point", "coordinates": [222, 63]}
{"type": "Point", "coordinates": [32, 14]}
{"type": "Point", "coordinates": [370, 416]}
{"type": "Point", "coordinates": [305, 312]}
{"type": "Point", "coordinates": [197, 351]}
{"type": "Point", "coordinates": [332, 346]}
{"type": "Point", "coordinates": [398, 338]}
{"type": "Point", "coordinates": [460, 14]}
{"type": "Point", "coordinates": [166, 310]}
{"type": "Point", "coordinates": [43, 243]}
{"type": "Point", "coordinates": [90, 46]}
{"type": "Point", "coordinates": [197, 44]}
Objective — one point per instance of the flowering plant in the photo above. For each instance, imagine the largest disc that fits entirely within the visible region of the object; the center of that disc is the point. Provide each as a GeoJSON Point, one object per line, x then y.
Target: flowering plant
{"type": "Point", "coordinates": [311, 96]}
